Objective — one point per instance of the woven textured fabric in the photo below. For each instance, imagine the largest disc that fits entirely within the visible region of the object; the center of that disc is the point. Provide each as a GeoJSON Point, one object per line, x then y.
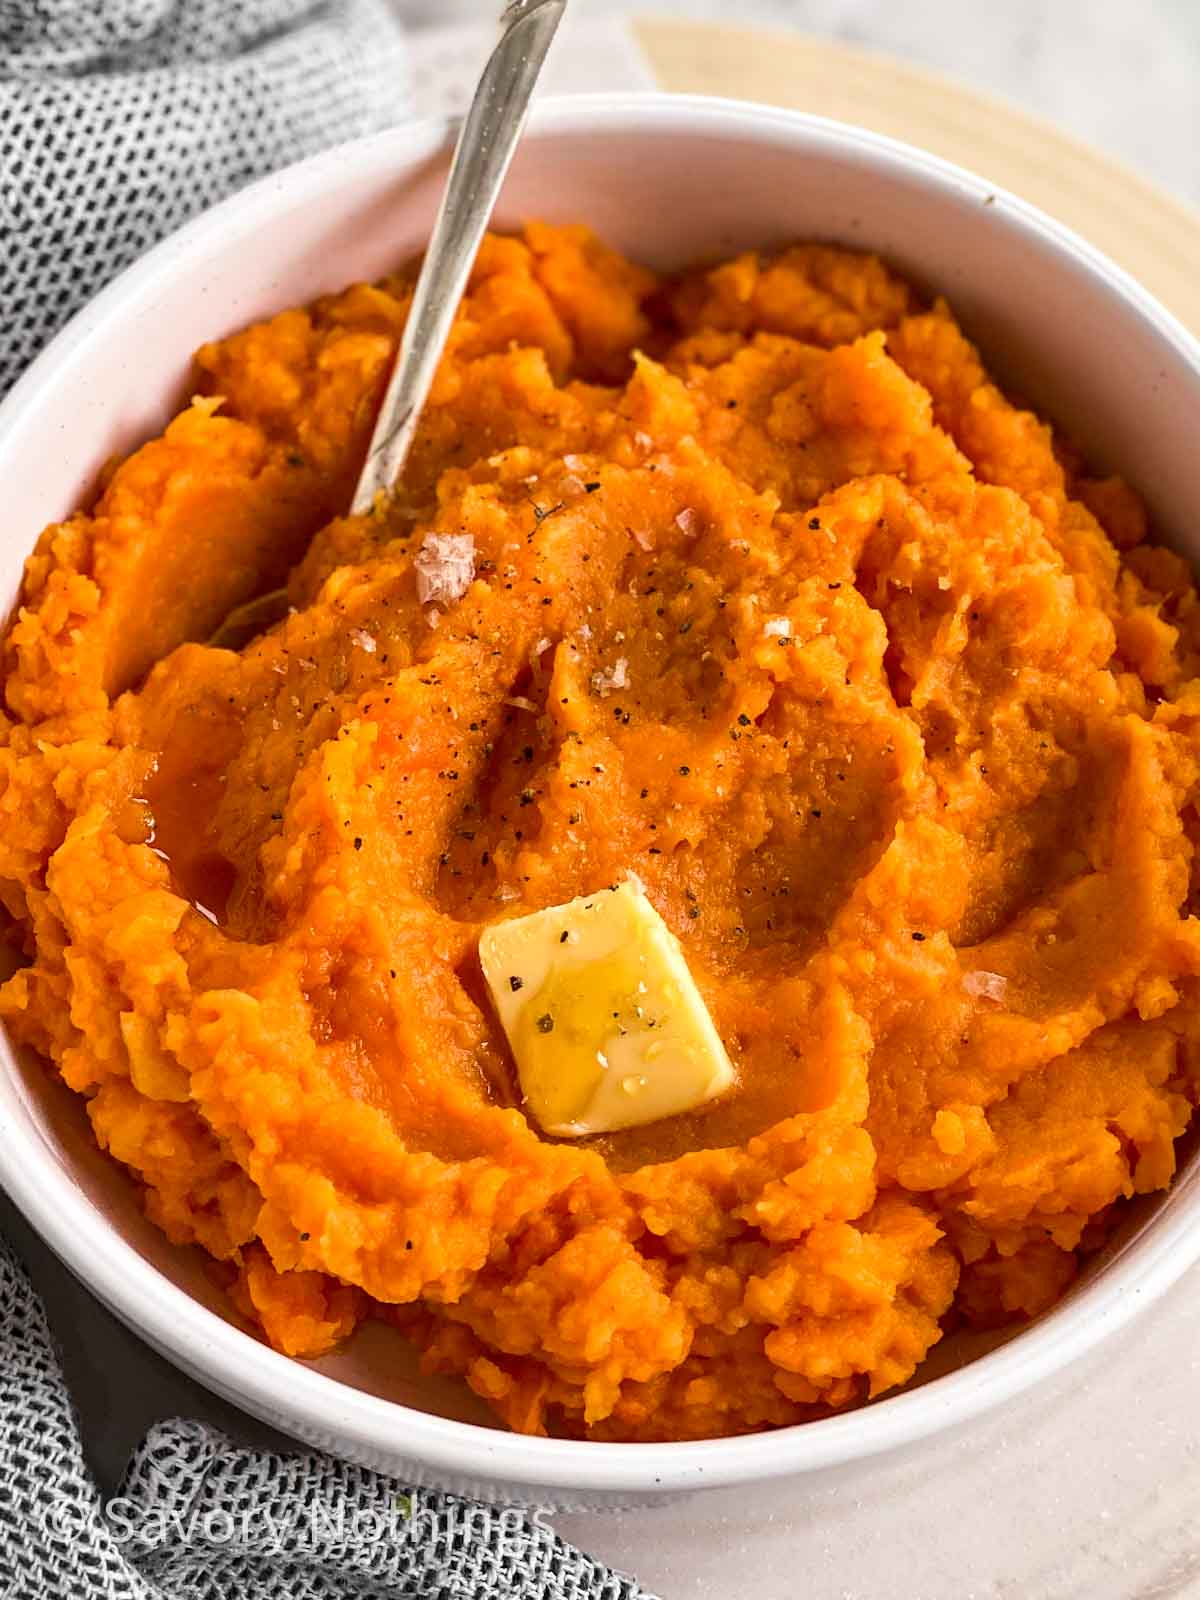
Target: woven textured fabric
{"type": "Point", "coordinates": [120, 119]}
{"type": "Point", "coordinates": [198, 1518]}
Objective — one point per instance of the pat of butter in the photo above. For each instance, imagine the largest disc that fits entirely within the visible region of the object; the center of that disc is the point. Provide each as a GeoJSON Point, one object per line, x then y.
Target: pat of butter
{"type": "Point", "coordinates": [603, 1016]}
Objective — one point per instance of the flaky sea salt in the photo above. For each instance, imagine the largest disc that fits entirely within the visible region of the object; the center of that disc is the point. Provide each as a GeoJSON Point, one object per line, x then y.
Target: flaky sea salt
{"type": "Point", "coordinates": [688, 522]}
{"type": "Point", "coordinates": [778, 628]}
{"type": "Point", "coordinates": [644, 540]}
{"type": "Point", "coordinates": [521, 702]}
{"type": "Point", "coordinates": [610, 678]}
{"type": "Point", "coordinates": [989, 985]}
{"type": "Point", "coordinates": [364, 640]}
{"type": "Point", "coordinates": [445, 566]}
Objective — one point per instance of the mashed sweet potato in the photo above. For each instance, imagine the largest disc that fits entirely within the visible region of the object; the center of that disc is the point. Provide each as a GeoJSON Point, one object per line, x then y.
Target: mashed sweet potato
{"type": "Point", "coordinates": [779, 603]}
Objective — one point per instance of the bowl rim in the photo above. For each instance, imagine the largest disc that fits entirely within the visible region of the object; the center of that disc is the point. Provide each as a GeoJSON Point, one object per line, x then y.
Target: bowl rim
{"type": "Point", "coordinates": [316, 1405]}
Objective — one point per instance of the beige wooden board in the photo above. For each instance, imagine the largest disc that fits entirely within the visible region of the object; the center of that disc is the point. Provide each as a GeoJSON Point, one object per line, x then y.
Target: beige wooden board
{"type": "Point", "coordinates": [1150, 234]}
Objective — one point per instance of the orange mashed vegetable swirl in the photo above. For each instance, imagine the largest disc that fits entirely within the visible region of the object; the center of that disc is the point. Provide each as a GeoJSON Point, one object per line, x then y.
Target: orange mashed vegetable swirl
{"type": "Point", "coordinates": [778, 602]}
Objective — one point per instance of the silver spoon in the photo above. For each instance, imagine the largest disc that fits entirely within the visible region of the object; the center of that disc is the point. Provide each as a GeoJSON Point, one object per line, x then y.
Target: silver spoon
{"type": "Point", "coordinates": [482, 155]}
{"type": "Point", "coordinates": [481, 158]}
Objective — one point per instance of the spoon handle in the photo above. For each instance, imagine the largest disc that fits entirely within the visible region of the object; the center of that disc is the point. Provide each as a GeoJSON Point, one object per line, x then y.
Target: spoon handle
{"type": "Point", "coordinates": [485, 146]}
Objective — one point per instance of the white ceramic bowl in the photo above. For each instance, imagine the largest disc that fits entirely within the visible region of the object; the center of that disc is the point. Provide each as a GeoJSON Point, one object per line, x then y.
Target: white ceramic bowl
{"type": "Point", "coordinates": [670, 180]}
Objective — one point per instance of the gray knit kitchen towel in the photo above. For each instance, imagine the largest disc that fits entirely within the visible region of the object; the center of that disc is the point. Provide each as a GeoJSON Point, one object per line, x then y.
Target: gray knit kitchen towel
{"type": "Point", "coordinates": [119, 119]}
{"type": "Point", "coordinates": [198, 1518]}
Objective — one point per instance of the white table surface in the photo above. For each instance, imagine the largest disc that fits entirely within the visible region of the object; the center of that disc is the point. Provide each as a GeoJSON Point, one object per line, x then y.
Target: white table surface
{"type": "Point", "coordinates": [1089, 1485]}
{"type": "Point", "coordinates": [1124, 76]}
